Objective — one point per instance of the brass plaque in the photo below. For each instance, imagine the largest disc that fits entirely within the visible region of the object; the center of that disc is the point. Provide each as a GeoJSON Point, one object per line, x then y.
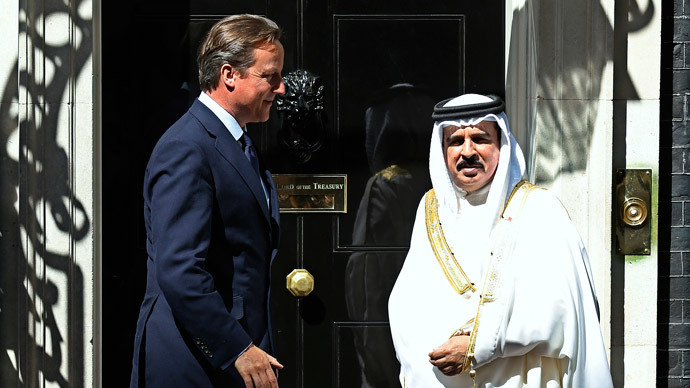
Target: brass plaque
{"type": "Point", "coordinates": [633, 211]}
{"type": "Point", "coordinates": [311, 193]}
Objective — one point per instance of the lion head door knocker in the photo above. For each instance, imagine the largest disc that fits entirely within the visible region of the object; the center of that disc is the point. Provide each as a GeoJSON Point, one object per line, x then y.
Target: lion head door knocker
{"type": "Point", "coordinates": [301, 114]}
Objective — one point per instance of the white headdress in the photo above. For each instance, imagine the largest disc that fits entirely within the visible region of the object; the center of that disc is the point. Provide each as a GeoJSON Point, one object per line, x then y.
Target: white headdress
{"type": "Point", "coordinates": [469, 109]}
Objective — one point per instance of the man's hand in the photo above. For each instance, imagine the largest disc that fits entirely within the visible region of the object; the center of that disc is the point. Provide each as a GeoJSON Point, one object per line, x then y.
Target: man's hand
{"type": "Point", "coordinates": [255, 367]}
{"type": "Point", "coordinates": [450, 356]}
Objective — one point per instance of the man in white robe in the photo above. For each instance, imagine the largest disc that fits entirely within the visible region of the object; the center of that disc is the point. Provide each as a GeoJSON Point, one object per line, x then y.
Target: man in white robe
{"type": "Point", "coordinates": [496, 290]}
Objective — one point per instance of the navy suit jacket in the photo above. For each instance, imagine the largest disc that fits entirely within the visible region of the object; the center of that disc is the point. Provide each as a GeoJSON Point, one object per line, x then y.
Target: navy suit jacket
{"type": "Point", "coordinates": [211, 238]}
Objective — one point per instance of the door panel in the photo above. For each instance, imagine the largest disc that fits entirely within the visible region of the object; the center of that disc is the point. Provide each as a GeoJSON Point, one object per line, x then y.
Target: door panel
{"type": "Point", "coordinates": [383, 66]}
{"type": "Point", "coordinates": [384, 102]}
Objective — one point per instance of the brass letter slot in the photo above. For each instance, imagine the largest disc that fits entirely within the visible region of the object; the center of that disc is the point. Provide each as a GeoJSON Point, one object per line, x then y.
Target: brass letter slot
{"type": "Point", "coordinates": [311, 193]}
{"type": "Point", "coordinates": [633, 211]}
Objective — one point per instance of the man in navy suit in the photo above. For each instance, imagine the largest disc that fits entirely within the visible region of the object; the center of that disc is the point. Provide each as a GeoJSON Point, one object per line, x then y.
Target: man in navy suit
{"type": "Point", "coordinates": [211, 215]}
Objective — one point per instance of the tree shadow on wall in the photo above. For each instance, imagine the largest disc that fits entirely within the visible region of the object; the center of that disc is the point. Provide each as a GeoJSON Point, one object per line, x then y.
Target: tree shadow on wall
{"type": "Point", "coordinates": [564, 93]}
{"type": "Point", "coordinates": [41, 219]}
{"type": "Point", "coordinates": [565, 87]}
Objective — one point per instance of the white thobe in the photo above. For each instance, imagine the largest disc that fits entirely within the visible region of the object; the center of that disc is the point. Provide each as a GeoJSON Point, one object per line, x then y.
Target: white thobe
{"type": "Point", "coordinates": [542, 329]}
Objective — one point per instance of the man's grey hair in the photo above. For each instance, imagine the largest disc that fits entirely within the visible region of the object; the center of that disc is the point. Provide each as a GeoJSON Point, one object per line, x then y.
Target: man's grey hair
{"type": "Point", "coordinates": [232, 41]}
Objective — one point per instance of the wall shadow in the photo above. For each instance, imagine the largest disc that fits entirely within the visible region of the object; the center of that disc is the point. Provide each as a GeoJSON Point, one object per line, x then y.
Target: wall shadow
{"type": "Point", "coordinates": [570, 59]}
{"type": "Point", "coordinates": [41, 218]}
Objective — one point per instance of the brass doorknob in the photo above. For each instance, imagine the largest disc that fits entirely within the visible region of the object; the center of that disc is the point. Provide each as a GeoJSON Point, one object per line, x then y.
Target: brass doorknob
{"type": "Point", "coordinates": [634, 211]}
{"type": "Point", "coordinates": [300, 282]}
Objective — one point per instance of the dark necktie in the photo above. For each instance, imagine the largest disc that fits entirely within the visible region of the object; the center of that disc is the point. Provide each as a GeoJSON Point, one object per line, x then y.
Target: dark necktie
{"type": "Point", "coordinates": [250, 153]}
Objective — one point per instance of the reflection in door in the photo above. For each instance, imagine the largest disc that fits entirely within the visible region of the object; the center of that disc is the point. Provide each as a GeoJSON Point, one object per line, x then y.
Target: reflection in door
{"type": "Point", "coordinates": [397, 146]}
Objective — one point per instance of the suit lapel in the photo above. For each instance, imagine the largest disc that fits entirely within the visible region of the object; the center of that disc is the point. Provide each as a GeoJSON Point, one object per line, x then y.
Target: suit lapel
{"type": "Point", "coordinates": [275, 206]}
{"type": "Point", "coordinates": [231, 151]}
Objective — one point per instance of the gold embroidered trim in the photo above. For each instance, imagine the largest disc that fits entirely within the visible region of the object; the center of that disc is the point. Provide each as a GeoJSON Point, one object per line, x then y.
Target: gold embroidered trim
{"type": "Point", "coordinates": [523, 188]}
{"type": "Point", "coordinates": [453, 271]}
{"type": "Point", "coordinates": [461, 330]}
{"type": "Point", "coordinates": [513, 207]}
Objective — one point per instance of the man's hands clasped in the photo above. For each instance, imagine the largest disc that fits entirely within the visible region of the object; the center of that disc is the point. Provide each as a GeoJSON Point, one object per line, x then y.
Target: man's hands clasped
{"type": "Point", "coordinates": [256, 368]}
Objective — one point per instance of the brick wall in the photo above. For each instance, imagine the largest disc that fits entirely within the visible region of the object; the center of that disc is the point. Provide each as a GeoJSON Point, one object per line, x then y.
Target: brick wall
{"type": "Point", "coordinates": [674, 198]}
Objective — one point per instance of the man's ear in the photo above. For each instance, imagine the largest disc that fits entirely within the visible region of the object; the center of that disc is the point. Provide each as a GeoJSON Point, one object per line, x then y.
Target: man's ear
{"type": "Point", "coordinates": [228, 75]}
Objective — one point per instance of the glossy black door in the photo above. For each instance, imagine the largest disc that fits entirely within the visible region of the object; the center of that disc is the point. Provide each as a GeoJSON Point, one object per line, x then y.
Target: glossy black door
{"type": "Point", "coordinates": [383, 66]}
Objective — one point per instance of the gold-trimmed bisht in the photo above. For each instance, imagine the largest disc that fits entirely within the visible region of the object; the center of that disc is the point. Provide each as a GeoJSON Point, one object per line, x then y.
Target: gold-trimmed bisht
{"type": "Point", "coordinates": [451, 268]}
{"type": "Point", "coordinates": [512, 209]}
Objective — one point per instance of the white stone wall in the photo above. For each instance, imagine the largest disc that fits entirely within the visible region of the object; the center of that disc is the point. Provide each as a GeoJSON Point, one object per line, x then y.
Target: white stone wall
{"type": "Point", "coordinates": [559, 87]}
{"type": "Point", "coordinates": [581, 74]}
{"type": "Point", "coordinates": [47, 203]}
{"type": "Point", "coordinates": [637, 91]}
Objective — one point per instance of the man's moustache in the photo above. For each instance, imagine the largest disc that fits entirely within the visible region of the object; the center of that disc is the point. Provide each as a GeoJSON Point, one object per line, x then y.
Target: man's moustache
{"type": "Point", "coordinates": [469, 164]}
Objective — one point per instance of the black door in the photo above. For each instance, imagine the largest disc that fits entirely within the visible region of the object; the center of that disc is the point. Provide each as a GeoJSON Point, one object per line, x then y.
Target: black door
{"type": "Point", "coordinates": [382, 65]}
